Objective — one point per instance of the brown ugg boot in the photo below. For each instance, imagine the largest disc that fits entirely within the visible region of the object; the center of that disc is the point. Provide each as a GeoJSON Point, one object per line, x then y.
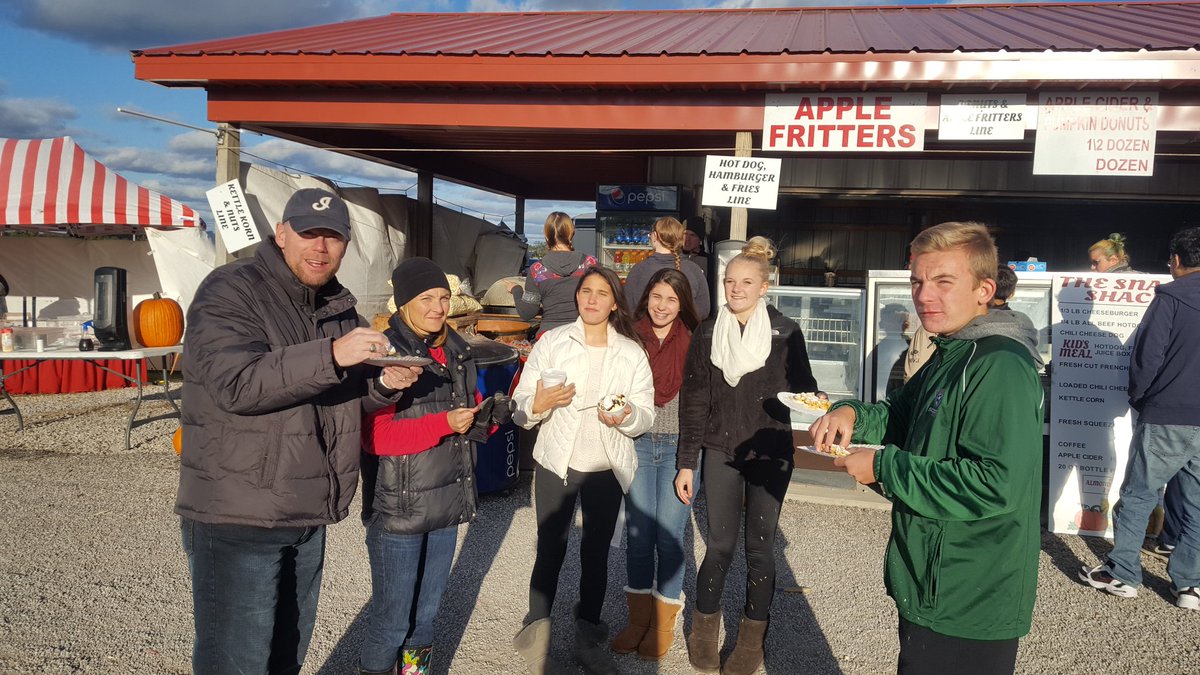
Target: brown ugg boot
{"type": "Point", "coordinates": [704, 647]}
{"type": "Point", "coordinates": [747, 654]}
{"type": "Point", "coordinates": [661, 635]}
{"type": "Point", "coordinates": [640, 615]}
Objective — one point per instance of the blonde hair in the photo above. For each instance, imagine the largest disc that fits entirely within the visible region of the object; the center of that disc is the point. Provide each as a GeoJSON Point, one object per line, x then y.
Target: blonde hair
{"type": "Point", "coordinates": [559, 230]}
{"type": "Point", "coordinates": [972, 237]}
{"type": "Point", "coordinates": [670, 234]}
{"type": "Point", "coordinates": [437, 341]}
{"type": "Point", "coordinates": [1113, 247]}
{"type": "Point", "coordinates": [759, 251]}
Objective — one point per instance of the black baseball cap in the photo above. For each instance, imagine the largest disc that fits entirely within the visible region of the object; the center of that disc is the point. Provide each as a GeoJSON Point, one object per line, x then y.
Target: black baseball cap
{"type": "Point", "coordinates": [313, 208]}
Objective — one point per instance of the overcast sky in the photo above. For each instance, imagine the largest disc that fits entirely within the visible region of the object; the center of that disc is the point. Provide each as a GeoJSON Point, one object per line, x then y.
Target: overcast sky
{"type": "Point", "coordinates": [67, 69]}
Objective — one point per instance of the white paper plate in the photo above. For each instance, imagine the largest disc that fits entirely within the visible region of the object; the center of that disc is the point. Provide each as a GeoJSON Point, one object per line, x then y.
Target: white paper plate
{"type": "Point", "coordinates": [385, 361]}
{"type": "Point", "coordinates": [802, 411]}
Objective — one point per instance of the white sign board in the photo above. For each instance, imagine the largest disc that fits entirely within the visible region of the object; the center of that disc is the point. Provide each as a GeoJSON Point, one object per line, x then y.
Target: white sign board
{"type": "Point", "coordinates": [823, 122]}
{"type": "Point", "coordinates": [234, 222]}
{"type": "Point", "coordinates": [750, 182]}
{"type": "Point", "coordinates": [981, 117]}
{"type": "Point", "coordinates": [1095, 316]}
{"type": "Point", "coordinates": [1096, 134]}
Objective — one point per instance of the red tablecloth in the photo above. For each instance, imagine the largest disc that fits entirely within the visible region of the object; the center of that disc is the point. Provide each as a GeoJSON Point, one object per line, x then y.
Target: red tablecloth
{"type": "Point", "coordinates": [68, 376]}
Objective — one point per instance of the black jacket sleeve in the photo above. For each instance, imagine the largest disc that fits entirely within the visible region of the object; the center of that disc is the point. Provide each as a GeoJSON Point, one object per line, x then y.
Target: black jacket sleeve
{"type": "Point", "coordinates": [799, 370]}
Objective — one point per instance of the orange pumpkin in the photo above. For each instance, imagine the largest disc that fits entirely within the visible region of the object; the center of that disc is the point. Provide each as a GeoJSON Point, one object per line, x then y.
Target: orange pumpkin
{"type": "Point", "coordinates": [177, 440]}
{"type": "Point", "coordinates": [158, 322]}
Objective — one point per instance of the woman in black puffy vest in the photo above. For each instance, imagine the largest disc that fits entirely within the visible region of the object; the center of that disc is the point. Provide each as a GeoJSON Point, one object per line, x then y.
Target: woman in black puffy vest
{"type": "Point", "coordinates": [418, 467]}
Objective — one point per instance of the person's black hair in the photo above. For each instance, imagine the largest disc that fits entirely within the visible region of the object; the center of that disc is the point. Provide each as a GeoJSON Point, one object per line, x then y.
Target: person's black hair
{"type": "Point", "coordinates": [619, 318]}
{"type": "Point", "coordinates": [1006, 282]}
{"type": "Point", "coordinates": [679, 283]}
{"type": "Point", "coordinates": [1186, 245]}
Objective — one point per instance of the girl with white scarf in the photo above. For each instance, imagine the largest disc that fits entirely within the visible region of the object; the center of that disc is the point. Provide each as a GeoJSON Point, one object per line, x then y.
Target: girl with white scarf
{"type": "Point", "coordinates": [736, 364]}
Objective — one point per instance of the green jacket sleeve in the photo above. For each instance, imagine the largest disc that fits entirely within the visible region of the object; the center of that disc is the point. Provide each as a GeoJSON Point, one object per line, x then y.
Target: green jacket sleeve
{"type": "Point", "coordinates": [883, 422]}
{"type": "Point", "coordinates": [994, 455]}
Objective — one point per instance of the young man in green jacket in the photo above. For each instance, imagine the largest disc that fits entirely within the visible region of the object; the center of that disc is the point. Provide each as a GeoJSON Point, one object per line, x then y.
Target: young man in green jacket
{"type": "Point", "coordinates": [961, 463]}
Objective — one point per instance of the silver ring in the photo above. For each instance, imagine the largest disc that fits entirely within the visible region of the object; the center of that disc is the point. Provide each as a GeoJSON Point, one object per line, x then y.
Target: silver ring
{"type": "Point", "coordinates": [372, 347]}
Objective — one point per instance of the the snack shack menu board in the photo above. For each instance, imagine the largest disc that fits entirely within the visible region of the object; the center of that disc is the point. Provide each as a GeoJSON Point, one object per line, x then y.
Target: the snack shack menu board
{"type": "Point", "coordinates": [1095, 318]}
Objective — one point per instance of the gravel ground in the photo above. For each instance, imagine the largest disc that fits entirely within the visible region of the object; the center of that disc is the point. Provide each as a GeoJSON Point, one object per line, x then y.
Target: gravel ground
{"type": "Point", "coordinates": [93, 578]}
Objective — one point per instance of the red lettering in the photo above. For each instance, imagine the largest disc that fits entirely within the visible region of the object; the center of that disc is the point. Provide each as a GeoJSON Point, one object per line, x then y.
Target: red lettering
{"type": "Point", "coordinates": [861, 110]}
{"type": "Point", "coordinates": [846, 130]}
{"type": "Point", "coordinates": [844, 105]}
{"type": "Point", "coordinates": [804, 110]}
{"type": "Point", "coordinates": [776, 135]}
{"type": "Point", "coordinates": [824, 105]}
{"type": "Point", "coordinates": [865, 139]}
{"type": "Point", "coordinates": [886, 131]}
{"type": "Point", "coordinates": [796, 136]}
{"type": "Point", "coordinates": [883, 108]}
{"type": "Point", "coordinates": [908, 136]}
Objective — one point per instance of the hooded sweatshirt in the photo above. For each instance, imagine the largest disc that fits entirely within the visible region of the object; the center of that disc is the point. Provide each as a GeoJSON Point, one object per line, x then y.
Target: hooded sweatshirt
{"type": "Point", "coordinates": [1164, 366]}
{"type": "Point", "coordinates": [550, 287]}
{"type": "Point", "coordinates": [962, 465]}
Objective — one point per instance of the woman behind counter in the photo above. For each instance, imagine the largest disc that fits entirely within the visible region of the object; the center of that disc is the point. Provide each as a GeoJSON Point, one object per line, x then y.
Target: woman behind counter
{"type": "Point", "coordinates": [1109, 255]}
{"type": "Point", "coordinates": [418, 476]}
{"type": "Point", "coordinates": [655, 515]}
{"type": "Point", "coordinates": [667, 236]}
{"type": "Point", "coordinates": [551, 281]}
{"type": "Point", "coordinates": [736, 364]}
{"type": "Point", "coordinates": [583, 454]}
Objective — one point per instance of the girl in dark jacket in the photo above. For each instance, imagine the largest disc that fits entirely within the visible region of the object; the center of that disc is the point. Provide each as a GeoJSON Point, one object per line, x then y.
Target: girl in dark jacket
{"type": "Point", "coordinates": [418, 476]}
{"type": "Point", "coordinates": [736, 364]}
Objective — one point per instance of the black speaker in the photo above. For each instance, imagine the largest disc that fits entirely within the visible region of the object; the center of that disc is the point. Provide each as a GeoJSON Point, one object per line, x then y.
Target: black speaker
{"type": "Point", "coordinates": [111, 321]}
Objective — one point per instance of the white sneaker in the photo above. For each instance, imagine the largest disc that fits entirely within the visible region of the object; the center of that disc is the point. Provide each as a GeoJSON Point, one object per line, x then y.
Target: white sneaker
{"type": "Point", "coordinates": [1188, 598]}
{"type": "Point", "coordinates": [1101, 577]}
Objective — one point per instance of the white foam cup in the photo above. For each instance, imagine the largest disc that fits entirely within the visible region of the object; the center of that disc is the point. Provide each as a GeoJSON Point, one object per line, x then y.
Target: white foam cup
{"type": "Point", "coordinates": [552, 377]}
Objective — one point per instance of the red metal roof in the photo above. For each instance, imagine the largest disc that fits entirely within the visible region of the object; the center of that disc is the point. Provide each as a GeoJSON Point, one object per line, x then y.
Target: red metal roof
{"type": "Point", "coordinates": [1107, 26]}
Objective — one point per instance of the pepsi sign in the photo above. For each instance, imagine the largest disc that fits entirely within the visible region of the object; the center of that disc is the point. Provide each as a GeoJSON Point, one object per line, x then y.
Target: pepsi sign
{"type": "Point", "coordinates": [638, 198]}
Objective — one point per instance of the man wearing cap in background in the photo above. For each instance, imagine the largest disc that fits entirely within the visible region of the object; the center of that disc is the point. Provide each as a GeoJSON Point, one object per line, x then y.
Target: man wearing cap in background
{"type": "Point", "coordinates": [276, 388]}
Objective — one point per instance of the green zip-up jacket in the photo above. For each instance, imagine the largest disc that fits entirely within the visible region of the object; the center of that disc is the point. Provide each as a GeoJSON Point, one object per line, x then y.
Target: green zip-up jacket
{"type": "Point", "coordinates": [962, 466]}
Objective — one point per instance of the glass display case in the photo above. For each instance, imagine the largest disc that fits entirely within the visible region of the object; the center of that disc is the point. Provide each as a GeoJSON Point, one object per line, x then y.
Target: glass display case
{"type": "Point", "coordinates": [832, 321]}
{"type": "Point", "coordinates": [891, 321]}
{"type": "Point", "coordinates": [624, 215]}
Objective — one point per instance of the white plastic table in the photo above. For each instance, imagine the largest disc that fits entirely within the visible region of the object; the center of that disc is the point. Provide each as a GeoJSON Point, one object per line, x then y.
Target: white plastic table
{"type": "Point", "coordinates": [96, 358]}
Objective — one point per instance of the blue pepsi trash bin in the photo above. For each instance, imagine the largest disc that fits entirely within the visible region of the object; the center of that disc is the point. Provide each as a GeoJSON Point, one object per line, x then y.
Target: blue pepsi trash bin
{"type": "Point", "coordinates": [496, 466]}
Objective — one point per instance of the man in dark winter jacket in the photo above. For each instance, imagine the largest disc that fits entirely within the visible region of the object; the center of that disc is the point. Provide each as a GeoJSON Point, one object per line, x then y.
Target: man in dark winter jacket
{"type": "Point", "coordinates": [961, 463]}
{"type": "Point", "coordinates": [1164, 368]}
{"type": "Point", "coordinates": [275, 388]}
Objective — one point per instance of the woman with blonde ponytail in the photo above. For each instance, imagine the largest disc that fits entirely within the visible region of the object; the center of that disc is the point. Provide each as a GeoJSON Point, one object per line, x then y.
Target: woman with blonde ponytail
{"type": "Point", "coordinates": [667, 238]}
{"type": "Point", "coordinates": [736, 363]}
{"type": "Point", "coordinates": [1109, 255]}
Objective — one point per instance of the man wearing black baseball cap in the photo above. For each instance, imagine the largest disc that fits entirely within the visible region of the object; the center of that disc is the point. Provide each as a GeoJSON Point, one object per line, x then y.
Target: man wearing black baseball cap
{"type": "Point", "coordinates": [276, 388]}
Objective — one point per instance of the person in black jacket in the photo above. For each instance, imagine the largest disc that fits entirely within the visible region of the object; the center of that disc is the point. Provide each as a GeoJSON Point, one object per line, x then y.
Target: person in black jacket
{"type": "Point", "coordinates": [418, 469]}
{"type": "Point", "coordinates": [736, 364]}
{"type": "Point", "coordinates": [275, 391]}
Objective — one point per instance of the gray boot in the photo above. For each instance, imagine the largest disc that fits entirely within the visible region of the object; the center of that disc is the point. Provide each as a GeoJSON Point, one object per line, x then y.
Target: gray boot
{"type": "Point", "coordinates": [533, 645]}
{"type": "Point", "coordinates": [591, 648]}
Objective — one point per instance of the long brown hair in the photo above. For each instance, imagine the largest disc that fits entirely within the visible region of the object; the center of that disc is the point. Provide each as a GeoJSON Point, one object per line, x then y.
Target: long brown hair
{"type": "Point", "coordinates": [619, 317]}
{"type": "Point", "coordinates": [559, 230]}
{"type": "Point", "coordinates": [679, 283]}
{"type": "Point", "coordinates": [669, 232]}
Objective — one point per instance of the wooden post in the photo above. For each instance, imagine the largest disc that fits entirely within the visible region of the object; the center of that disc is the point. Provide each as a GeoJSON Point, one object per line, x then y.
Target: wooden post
{"type": "Point", "coordinates": [229, 159]}
{"type": "Point", "coordinates": [743, 147]}
{"type": "Point", "coordinates": [422, 231]}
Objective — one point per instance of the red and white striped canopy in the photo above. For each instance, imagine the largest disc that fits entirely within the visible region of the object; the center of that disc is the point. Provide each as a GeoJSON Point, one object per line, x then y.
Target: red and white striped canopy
{"type": "Point", "coordinates": [51, 184]}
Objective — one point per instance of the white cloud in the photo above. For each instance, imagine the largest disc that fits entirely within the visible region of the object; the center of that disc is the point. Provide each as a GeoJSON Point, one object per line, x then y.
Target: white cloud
{"type": "Point", "coordinates": [145, 160]}
{"type": "Point", "coordinates": [34, 117]}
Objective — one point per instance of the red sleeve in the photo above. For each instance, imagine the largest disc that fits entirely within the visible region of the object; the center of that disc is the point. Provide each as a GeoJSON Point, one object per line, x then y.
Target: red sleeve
{"type": "Point", "coordinates": [383, 435]}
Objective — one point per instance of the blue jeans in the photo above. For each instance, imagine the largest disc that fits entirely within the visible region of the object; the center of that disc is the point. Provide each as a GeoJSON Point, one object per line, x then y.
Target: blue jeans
{"type": "Point", "coordinates": [254, 595]}
{"type": "Point", "coordinates": [408, 578]}
{"type": "Point", "coordinates": [1158, 453]}
{"type": "Point", "coordinates": [655, 518]}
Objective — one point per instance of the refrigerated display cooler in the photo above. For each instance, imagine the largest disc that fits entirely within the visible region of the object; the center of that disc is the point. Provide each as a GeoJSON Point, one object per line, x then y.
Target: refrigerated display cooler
{"type": "Point", "coordinates": [832, 322]}
{"type": "Point", "coordinates": [891, 321]}
{"type": "Point", "coordinates": [624, 216]}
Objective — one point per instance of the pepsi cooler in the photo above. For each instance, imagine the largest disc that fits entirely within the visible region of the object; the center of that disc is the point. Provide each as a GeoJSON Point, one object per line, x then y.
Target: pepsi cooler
{"type": "Point", "coordinates": [624, 215]}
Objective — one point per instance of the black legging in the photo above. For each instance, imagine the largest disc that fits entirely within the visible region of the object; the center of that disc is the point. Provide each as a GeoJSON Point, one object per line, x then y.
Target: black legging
{"type": "Point", "coordinates": [554, 503]}
{"type": "Point", "coordinates": [760, 483]}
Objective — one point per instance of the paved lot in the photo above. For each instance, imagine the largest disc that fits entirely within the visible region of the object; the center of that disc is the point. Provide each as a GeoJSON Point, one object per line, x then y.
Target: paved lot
{"type": "Point", "coordinates": [93, 578]}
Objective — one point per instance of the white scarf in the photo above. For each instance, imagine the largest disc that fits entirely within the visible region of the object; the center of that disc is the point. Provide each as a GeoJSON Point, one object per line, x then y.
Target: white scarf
{"type": "Point", "coordinates": [736, 352]}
